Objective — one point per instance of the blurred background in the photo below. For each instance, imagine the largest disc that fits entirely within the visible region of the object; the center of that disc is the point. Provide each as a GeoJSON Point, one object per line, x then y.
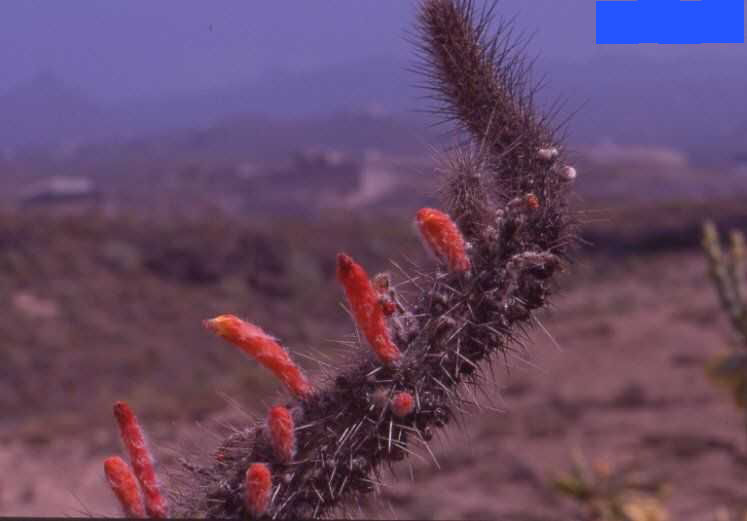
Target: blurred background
{"type": "Point", "coordinates": [164, 162]}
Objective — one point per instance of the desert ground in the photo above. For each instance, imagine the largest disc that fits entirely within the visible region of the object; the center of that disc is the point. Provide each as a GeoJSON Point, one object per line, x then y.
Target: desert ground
{"type": "Point", "coordinates": [100, 308]}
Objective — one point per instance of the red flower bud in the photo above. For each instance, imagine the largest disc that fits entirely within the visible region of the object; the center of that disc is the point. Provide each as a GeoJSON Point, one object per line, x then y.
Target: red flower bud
{"type": "Point", "coordinates": [253, 341]}
{"type": "Point", "coordinates": [444, 238]}
{"type": "Point", "coordinates": [258, 486]}
{"type": "Point", "coordinates": [124, 485]}
{"type": "Point", "coordinates": [402, 404]}
{"type": "Point", "coordinates": [281, 427]}
{"type": "Point", "coordinates": [141, 460]}
{"type": "Point", "coordinates": [367, 309]}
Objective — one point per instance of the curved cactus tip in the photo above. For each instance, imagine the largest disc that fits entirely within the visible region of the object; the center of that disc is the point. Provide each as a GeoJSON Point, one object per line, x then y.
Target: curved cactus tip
{"type": "Point", "coordinates": [255, 342]}
{"type": "Point", "coordinates": [368, 309]}
{"type": "Point", "coordinates": [223, 325]}
{"type": "Point", "coordinates": [442, 236]}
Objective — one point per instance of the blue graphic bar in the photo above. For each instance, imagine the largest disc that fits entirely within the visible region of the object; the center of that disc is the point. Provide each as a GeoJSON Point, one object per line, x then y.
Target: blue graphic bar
{"type": "Point", "coordinates": [670, 21]}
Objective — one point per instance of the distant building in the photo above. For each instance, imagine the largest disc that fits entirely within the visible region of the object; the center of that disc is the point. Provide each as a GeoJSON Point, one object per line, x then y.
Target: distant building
{"type": "Point", "coordinates": [60, 190]}
{"type": "Point", "coordinates": [312, 179]}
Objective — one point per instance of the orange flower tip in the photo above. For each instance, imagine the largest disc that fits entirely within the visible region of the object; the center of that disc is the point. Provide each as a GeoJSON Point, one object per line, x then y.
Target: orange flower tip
{"type": "Point", "coordinates": [402, 404]}
{"type": "Point", "coordinates": [221, 325]}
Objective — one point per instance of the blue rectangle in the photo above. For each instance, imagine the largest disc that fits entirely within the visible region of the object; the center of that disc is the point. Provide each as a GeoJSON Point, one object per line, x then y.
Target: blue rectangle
{"type": "Point", "coordinates": [670, 21]}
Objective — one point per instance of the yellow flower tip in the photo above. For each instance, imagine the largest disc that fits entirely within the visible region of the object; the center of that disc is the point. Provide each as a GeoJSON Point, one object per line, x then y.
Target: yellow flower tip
{"type": "Point", "coordinates": [221, 325]}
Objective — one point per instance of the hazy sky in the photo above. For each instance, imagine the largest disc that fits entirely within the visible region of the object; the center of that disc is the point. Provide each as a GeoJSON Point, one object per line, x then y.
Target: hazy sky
{"type": "Point", "coordinates": [130, 48]}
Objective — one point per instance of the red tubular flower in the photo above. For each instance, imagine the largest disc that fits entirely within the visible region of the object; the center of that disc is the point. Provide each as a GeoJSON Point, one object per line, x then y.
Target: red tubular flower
{"type": "Point", "coordinates": [281, 426]}
{"type": "Point", "coordinates": [253, 341]}
{"type": "Point", "coordinates": [124, 485]}
{"type": "Point", "coordinates": [258, 485]}
{"type": "Point", "coordinates": [533, 201]}
{"type": "Point", "coordinates": [141, 460]}
{"type": "Point", "coordinates": [367, 309]}
{"type": "Point", "coordinates": [443, 237]}
{"type": "Point", "coordinates": [402, 404]}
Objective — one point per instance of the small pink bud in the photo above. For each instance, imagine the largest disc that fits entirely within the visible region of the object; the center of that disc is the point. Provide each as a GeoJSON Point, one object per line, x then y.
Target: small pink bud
{"type": "Point", "coordinates": [443, 237]}
{"type": "Point", "coordinates": [141, 460]}
{"type": "Point", "coordinates": [253, 341]}
{"type": "Point", "coordinates": [281, 426]}
{"type": "Point", "coordinates": [367, 308]}
{"type": "Point", "coordinates": [258, 488]}
{"type": "Point", "coordinates": [402, 404]}
{"type": "Point", "coordinates": [568, 173]}
{"type": "Point", "coordinates": [124, 485]}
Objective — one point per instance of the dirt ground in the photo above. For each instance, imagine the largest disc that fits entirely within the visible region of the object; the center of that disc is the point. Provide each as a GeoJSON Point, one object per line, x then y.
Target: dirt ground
{"type": "Point", "coordinates": [619, 375]}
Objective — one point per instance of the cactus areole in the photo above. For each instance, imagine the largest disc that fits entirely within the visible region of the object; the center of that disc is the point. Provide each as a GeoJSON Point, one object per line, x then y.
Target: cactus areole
{"type": "Point", "coordinates": [503, 232]}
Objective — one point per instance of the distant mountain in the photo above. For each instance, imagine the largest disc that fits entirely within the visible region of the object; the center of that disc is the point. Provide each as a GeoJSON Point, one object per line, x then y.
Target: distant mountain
{"type": "Point", "coordinates": [45, 110]}
{"type": "Point", "coordinates": [375, 85]}
{"type": "Point", "coordinates": [696, 104]}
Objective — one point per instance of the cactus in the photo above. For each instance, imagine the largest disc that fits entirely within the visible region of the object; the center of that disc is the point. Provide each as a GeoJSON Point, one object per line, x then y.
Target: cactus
{"type": "Point", "coordinates": [506, 230]}
{"type": "Point", "coordinates": [728, 270]}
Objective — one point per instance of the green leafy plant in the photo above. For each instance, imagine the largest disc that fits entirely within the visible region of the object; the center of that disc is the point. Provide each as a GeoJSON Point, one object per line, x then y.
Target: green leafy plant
{"type": "Point", "coordinates": [505, 233]}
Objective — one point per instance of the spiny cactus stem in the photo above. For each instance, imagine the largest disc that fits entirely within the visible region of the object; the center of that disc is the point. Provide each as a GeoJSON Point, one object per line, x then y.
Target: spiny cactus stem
{"type": "Point", "coordinates": [503, 236]}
